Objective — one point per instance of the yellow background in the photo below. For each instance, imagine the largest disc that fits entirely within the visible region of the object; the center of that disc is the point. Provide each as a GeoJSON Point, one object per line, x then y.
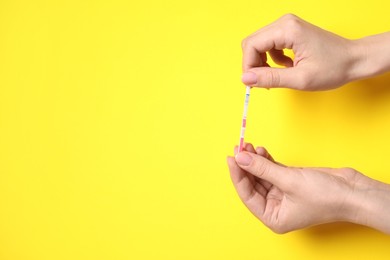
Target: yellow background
{"type": "Point", "coordinates": [116, 118]}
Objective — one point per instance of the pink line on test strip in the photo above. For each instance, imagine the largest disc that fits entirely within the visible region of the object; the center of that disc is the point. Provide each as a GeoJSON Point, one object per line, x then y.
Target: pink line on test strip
{"type": "Point", "coordinates": [243, 125]}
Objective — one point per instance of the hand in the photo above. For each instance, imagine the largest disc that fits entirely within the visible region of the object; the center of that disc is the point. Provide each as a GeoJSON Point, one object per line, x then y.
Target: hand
{"type": "Point", "coordinates": [288, 198]}
{"type": "Point", "coordinates": [322, 60]}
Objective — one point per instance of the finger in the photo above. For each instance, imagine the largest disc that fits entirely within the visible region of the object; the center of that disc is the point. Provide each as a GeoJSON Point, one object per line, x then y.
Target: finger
{"type": "Point", "coordinates": [252, 58]}
{"type": "Point", "coordinates": [271, 38]}
{"type": "Point", "coordinates": [257, 44]}
{"type": "Point", "coordinates": [254, 49]}
{"type": "Point", "coordinates": [279, 58]}
{"type": "Point", "coordinates": [274, 77]}
{"type": "Point", "coordinates": [266, 184]}
{"type": "Point", "coordinates": [249, 148]}
{"type": "Point", "coordinates": [260, 188]}
{"type": "Point", "coordinates": [263, 152]}
{"type": "Point", "coordinates": [265, 169]}
{"type": "Point", "coordinates": [250, 176]}
{"type": "Point", "coordinates": [250, 196]}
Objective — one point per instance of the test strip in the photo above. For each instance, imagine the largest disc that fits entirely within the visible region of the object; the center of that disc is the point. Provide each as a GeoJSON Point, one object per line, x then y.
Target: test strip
{"type": "Point", "coordinates": [243, 126]}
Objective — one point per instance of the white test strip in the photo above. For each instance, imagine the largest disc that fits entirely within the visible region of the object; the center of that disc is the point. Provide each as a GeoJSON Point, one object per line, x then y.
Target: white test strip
{"type": "Point", "coordinates": [243, 125]}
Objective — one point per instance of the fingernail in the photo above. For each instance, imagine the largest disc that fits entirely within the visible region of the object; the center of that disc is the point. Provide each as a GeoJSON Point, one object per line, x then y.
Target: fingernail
{"type": "Point", "coordinates": [243, 159]}
{"type": "Point", "coordinates": [249, 78]}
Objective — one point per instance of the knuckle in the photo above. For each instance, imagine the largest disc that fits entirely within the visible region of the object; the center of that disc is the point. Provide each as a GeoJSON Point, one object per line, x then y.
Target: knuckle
{"type": "Point", "coordinates": [348, 171]}
{"type": "Point", "coordinates": [292, 25]}
{"type": "Point", "coordinates": [245, 43]}
{"type": "Point", "coordinates": [279, 33]}
{"type": "Point", "coordinates": [261, 168]}
{"type": "Point", "coordinates": [289, 16]}
{"type": "Point", "coordinates": [272, 78]}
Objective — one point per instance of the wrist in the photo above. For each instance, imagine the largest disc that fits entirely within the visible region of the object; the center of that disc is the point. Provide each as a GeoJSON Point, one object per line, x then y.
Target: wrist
{"type": "Point", "coordinates": [369, 205]}
{"type": "Point", "coordinates": [370, 56]}
{"type": "Point", "coordinates": [359, 68]}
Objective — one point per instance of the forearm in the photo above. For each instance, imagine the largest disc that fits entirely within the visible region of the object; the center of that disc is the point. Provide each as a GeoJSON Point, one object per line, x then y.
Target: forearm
{"type": "Point", "coordinates": [371, 56]}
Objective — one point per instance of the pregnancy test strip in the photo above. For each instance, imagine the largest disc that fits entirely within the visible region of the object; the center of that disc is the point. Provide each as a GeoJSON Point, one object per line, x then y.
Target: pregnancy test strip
{"type": "Point", "coordinates": [243, 126]}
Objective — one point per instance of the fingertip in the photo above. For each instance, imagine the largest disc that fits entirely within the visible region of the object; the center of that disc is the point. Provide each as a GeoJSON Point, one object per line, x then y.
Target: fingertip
{"type": "Point", "coordinates": [249, 147]}
{"type": "Point", "coordinates": [235, 149]}
{"type": "Point", "coordinates": [249, 78]}
{"type": "Point", "coordinates": [231, 161]}
{"type": "Point", "coordinates": [243, 158]}
{"type": "Point", "coordinates": [261, 151]}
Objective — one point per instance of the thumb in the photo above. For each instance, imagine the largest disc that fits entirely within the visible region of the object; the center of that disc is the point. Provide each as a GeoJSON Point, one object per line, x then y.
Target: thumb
{"type": "Point", "coordinates": [265, 169]}
{"type": "Point", "coordinates": [274, 77]}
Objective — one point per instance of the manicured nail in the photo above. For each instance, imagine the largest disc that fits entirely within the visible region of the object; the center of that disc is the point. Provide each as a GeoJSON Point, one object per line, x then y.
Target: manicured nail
{"type": "Point", "coordinates": [243, 159]}
{"type": "Point", "coordinates": [249, 78]}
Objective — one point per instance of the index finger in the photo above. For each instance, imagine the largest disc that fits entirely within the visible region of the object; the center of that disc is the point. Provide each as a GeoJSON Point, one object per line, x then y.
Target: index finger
{"type": "Point", "coordinates": [274, 36]}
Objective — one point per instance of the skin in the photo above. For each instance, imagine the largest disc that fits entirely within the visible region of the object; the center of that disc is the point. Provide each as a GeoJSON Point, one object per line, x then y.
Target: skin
{"type": "Point", "coordinates": [290, 198]}
{"type": "Point", "coordinates": [323, 60]}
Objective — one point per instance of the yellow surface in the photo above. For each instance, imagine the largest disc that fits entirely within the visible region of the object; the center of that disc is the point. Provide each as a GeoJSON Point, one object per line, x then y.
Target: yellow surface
{"type": "Point", "coordinates": [116, 118]}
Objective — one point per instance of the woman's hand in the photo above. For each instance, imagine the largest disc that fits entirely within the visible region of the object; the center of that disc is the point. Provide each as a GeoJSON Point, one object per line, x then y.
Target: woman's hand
{"type": "Point", "coordinates": [289, 198]}
{"type": "Point", "coordinates": [322, 61]}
